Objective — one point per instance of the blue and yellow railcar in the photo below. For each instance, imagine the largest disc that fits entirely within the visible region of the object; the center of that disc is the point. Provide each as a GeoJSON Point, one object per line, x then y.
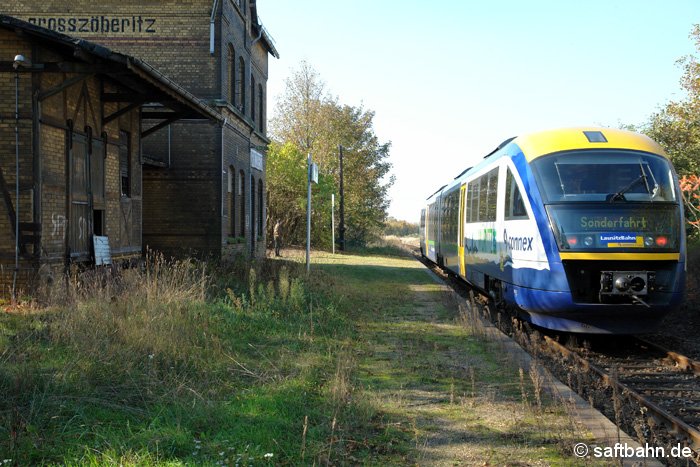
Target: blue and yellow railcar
{"type": "Point", "coordinates": [577, 230]}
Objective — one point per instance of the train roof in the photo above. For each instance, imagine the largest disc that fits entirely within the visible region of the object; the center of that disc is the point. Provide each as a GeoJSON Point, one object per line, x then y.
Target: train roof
{"type": "Point", "coordinates": [534, 145]}
{"type": "Point", "coordinates": [539, 144]}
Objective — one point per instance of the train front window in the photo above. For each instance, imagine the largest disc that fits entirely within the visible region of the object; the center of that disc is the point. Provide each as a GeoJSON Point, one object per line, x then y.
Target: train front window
{"type": "Point", "coordinates": [607, 176]}
{"type": "Point", "coordinates": [610, 200]}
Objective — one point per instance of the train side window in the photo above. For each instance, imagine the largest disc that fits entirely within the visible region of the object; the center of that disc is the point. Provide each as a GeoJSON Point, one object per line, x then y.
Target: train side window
{"type": "Point", "coordinates": [493, 195]}
{"type": "Point", "coordinates": [514, 203]}
{"type": "Point", "coordinates": [472, 200]}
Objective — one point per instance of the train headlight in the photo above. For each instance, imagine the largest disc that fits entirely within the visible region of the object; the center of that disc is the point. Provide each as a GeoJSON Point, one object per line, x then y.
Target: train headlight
{"type": "Point", "coordinates": [588, 241]}
{"type": "Point", "coordinates": [648, 241]}
{"type": "Point", "coordinates": [622, 283]}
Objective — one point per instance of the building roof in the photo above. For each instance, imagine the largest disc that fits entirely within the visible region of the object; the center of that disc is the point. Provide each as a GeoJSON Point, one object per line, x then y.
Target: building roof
{"type": "Point", "coordinates": [260, 29]}
{"type": "Point", "coordinates": [145, 83]}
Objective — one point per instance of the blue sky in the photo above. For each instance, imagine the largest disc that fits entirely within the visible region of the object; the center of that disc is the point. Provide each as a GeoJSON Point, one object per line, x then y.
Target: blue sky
{"type": "Point", "coordinates": [449, 80]}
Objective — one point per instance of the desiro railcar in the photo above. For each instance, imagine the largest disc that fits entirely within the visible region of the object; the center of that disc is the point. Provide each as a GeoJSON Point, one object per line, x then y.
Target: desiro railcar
{"type": "Point", "coordinates": [578, 230]}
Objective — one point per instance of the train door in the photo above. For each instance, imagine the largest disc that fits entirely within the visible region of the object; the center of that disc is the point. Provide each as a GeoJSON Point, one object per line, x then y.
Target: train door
{"type": "Point", "coordinates": [422, 232]}
{"type": "Point", "coordinates": [460, 228]}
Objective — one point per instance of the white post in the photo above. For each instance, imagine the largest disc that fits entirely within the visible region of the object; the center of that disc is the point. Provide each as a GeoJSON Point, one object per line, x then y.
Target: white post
{"type": "Point", "coordinates": [333, 221]}
{"type": "Point", "coordinates": [308, 212]}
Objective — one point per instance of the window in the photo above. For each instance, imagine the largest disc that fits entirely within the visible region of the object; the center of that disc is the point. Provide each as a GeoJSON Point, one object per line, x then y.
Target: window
{"type": "Point", "coordinates": [604, 176]}
{"type": "Point", "coordinates": [260, 108]}
{"type": "Point", "coordinates": [472, 200]}
{"type": "Point", "coordinates": [493, 195]}
{"type": "Point", "coordinates": [253, 224]}
{"type": "Point", "coordinates": [514, 204]}
{"type": "Point", "coordinates": [260, 207]}
{"type": "Point", "coordinates": [252, 98]}
{"type": "Point", "coordinates": [241, 197]}
{"type": "Point", "coordinates": [232, 200]}
{"type": "Point", "coordinates": [240, 98]}
{"type": "Point", "coordinates": [481, 198]}
{"type": "Point", "coordinates": [125, 162]}
{"type": "Point", "coordinates": [231, 75]}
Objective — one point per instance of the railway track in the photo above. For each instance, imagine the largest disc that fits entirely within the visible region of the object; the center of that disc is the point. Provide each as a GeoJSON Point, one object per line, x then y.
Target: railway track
{"type": "Point", "coordinates": [662, 382]}
{"type": "Point", "coordinates": [646, 389]}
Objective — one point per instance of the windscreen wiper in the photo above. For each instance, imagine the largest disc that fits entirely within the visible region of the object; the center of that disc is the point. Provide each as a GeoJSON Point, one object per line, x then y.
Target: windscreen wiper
{"type": "Point", "coordinates": [620, 195]}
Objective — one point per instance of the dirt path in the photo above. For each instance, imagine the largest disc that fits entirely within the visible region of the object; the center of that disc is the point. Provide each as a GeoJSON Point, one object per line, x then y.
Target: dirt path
{"type": "Point", "coordinates": [466, 402]}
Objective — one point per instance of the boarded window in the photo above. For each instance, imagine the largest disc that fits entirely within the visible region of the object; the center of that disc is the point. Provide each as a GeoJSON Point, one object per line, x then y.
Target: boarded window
{"type": "Point", "coordinates": [125, 162]}
{"type": "Point", "coordinates": [80, 212]}
{"type": "Point", "coordinates": [97, 173]}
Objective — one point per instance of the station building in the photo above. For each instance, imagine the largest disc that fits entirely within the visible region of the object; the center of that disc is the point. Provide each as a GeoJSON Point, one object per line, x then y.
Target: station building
{"type": "Point", "coordinates": [204, 187]}
{"type": "Point", "coordinates": [72, 116]}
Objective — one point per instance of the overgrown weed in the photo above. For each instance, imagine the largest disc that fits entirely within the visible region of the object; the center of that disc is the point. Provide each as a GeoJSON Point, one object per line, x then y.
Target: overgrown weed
{"type": "Point", "coordinates": [165, 362]}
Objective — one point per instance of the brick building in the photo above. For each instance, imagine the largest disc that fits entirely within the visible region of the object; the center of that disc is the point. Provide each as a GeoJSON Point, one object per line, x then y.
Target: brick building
{"type": "Point", "coordinates": [76, 109]}
{"type": "Point", "coordinates": [204, 184]}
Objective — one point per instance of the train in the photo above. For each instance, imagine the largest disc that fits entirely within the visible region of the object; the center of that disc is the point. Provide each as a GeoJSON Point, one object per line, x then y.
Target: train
{"type": "Point", "coordinates": [579, 230]}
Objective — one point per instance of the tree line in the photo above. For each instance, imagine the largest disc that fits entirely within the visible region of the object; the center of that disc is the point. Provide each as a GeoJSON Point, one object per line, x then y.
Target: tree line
{"type": "Point", "coordinates": [309, 120]}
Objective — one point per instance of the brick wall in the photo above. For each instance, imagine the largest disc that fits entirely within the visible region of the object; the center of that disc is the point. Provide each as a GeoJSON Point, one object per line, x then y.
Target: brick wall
{"type": "Point", "coordinates": [174, 36]}
{"type": "Point", "coordinates": [181, 207]}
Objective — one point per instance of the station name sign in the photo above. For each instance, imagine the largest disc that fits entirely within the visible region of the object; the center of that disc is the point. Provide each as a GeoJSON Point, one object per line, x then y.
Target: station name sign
{"type": "Point", "coordinates": [256, 159]}
{"type": "Point", "coordinates": [97, 24]}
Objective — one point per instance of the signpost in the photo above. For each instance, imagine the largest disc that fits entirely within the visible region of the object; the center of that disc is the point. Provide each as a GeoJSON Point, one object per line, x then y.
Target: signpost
{"type": "Point", "coordinates": [312, 177]}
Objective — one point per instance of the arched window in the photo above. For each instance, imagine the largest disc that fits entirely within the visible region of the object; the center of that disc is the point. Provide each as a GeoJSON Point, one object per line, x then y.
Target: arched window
{"type": "Point", "coordinates": [231, 74]}
{"type": "Point", "coordinates": [261, 106]}
{"type": "Point", "coordinates": [252, 99]}
{"type": "Point", "coordinates": [253, 223]}
{"type": "Point", "coordinates": [241, 198]}
{"type": "Point", "coordinates": [260, 207]}
{"type": "Point", "coordinates": [232, 201]}
{"type": "Point", "coordinates": [240, 98]}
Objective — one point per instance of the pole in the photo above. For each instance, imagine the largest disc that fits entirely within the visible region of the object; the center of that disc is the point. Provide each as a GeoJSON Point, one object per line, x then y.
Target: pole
{"type": "Point", "coordinates": [333, 221]}
{"type": "Point", "coordinates": [341, 229]}
{"type": "Point", "coordinates": [14, 278]}
{"type": "Point", "coordinates": [308, 212]}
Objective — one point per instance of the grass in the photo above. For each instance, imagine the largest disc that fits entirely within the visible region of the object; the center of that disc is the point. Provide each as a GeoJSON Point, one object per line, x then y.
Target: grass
{"type": "Point", "coordinates": [455, 396]}
{"type": "Point", "coordinates": [364, 361]}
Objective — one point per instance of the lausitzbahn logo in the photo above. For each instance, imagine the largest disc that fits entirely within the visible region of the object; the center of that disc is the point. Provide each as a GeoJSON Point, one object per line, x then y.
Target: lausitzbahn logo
{"type": "Point", "coordinates": [97, 24]}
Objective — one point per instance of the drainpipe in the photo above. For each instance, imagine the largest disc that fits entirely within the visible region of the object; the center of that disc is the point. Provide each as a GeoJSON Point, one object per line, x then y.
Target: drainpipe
{"type": "Point", "coordinates": [20, 61]}
{"type": "Point", "coordinates": [212, 27]}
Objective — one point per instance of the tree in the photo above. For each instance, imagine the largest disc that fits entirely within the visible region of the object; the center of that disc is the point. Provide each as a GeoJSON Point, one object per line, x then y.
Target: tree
{"type": "Point", "coordinates": [677, 125]}
{"type": "Point", "coordinates": [287, 185]}
{"type": "Point", "coordinates": [309, 120]}
{"type": "Point", "coordinates": [400, 228]}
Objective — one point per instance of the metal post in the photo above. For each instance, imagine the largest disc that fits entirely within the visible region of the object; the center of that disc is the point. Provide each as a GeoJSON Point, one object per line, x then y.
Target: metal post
{"type": "Point", "coordinates": [308, 212]}
{"type": "Point", "coordinates": [333, 222]}
{"type": "Point", "coordinates": [341, 229]}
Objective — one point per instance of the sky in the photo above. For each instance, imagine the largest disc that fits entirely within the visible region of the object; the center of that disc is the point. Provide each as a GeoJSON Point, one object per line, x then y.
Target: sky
{"type": "Point", "coordinates": [450, 80]}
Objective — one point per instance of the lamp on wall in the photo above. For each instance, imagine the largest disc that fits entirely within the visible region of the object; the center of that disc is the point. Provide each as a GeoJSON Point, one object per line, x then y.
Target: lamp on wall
{"type": "Point", "coordinates": [20, 61]}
